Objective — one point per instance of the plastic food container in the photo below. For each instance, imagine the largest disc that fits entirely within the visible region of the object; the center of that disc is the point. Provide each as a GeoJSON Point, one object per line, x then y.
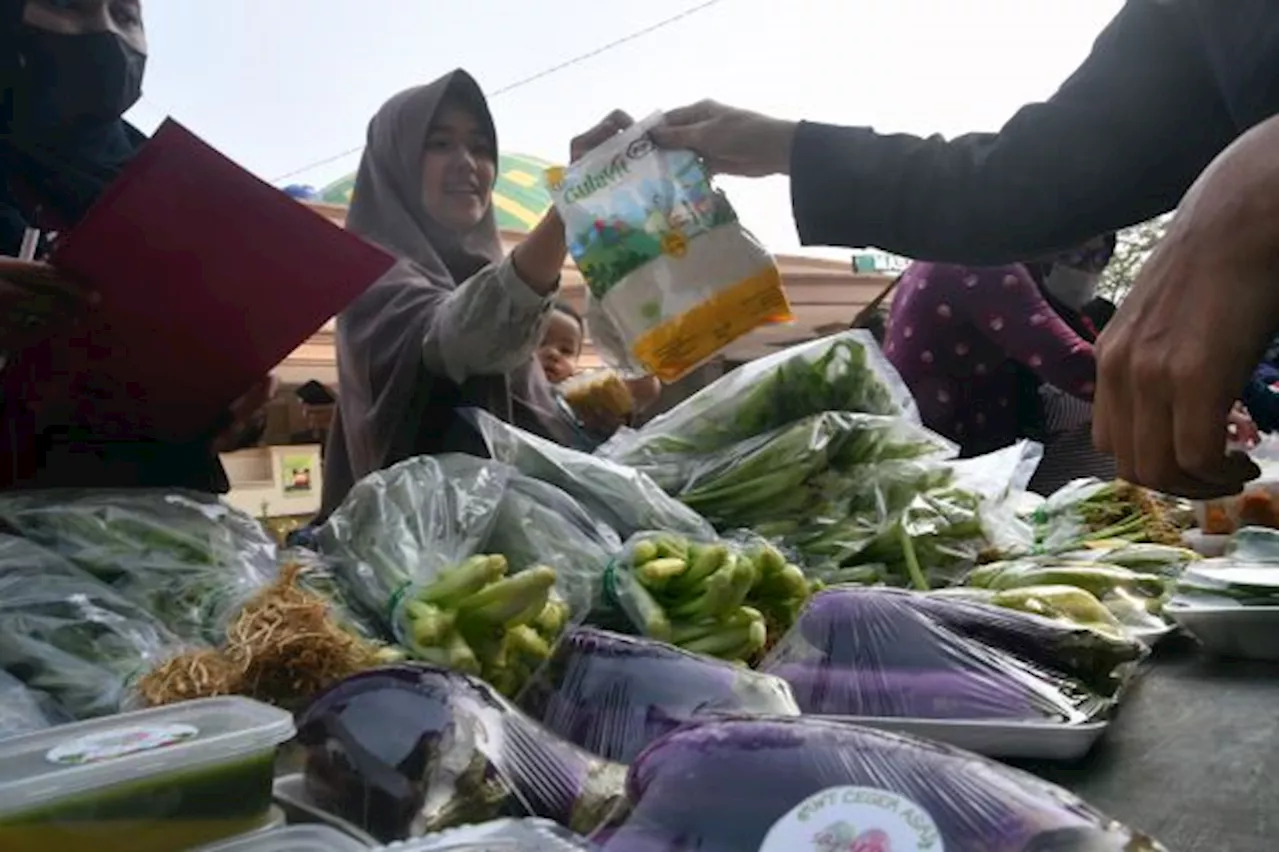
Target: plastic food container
{"type": "Point", "coordinates": [296, 838]}
{"type": "Point", "coordinates": [1258, 506]}
{"type": "Point", "coordinates": [161, 780]}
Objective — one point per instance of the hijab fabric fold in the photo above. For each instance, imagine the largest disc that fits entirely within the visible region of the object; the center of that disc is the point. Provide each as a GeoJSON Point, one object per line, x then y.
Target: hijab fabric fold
{"type": "Point", "coordinates": [391, 407]}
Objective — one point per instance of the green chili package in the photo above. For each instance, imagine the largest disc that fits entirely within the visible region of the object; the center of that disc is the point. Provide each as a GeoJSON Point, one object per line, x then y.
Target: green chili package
{"type": "Point", "coordinates": [673, 276]}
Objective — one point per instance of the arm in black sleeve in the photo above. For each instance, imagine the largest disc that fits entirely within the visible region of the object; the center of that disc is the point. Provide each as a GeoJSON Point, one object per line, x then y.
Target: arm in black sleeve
{"type": "Point", "coordinates": [1119, 143]}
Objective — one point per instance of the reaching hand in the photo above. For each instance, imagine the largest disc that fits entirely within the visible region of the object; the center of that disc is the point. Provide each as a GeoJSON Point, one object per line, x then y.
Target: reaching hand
{"type": "Point", "coordinates": [32, 297]}
{"type": "Point", "coordinates": [731, 141]}
{"type": "Point", "coordinates": [1183, 344]}
{"type": "Point", "coordinates": [611, 125]}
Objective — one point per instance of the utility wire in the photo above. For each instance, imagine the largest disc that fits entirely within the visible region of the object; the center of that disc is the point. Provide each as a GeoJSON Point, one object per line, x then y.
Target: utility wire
{"type": "Point", "coordinates": [569, 63]}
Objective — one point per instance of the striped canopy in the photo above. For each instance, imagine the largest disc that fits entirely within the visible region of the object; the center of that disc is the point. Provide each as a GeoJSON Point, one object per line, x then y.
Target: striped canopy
{"type": "Point", "coordinates": [520, 197]}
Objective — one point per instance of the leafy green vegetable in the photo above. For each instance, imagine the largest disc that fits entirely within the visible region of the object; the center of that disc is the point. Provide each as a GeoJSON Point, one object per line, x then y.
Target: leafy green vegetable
{"type": "Point", "coordinates": [190, 560]}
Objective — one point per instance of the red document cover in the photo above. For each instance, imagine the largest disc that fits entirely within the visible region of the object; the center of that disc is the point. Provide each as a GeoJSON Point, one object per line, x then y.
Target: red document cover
{"type": "Point", "coordinates": [209, 278]}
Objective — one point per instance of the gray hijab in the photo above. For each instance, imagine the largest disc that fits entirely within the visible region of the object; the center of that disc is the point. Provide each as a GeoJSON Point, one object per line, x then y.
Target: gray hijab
{"type": "Point", "coordinates": [390, 406]}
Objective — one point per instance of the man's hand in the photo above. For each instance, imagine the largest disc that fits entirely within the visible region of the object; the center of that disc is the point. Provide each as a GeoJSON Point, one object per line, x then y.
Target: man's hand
{"type": "Point", "coordinates": [730, 141]}
{"type": "Point", "coordinates": [1183, 344]}
{"type": "Point", "coordinates": [611, 125]}
{"type": "Point", "coordinates": [34, 296]}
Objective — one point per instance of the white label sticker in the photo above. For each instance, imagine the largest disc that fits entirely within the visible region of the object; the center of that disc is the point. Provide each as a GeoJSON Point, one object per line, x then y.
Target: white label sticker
{"type": "Point", "coordinates": [119, 742]}
{"type": "Point", "coordinates": [854, 819]}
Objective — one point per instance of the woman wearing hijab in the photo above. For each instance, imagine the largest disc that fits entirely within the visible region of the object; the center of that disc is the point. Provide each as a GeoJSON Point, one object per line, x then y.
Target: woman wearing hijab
{"type": "Point", "coordinates": [454, 324]}
{"type": "Point", "coordinates": [68, 72]}
{"type": "Point", "coordinates": [975, 344]}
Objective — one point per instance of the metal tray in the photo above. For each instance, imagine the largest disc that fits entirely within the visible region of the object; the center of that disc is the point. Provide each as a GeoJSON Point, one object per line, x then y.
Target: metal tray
{"type": "Point", "coordinates": [1240, 632]}
{"type": "Point", "coordinates": [995, 738]}
{"type": "Point", "coordinates": [290, 794]}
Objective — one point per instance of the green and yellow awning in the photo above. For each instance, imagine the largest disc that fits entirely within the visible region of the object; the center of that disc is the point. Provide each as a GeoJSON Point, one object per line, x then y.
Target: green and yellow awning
{"type": "Point", "coordinates": [520, 196]}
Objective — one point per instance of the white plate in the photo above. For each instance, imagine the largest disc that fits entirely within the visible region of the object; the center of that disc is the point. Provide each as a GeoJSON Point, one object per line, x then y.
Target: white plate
{"type": "Point", "coordinates": [994, 738]}
{"type": "Point", "coordinates": [290, 792]}
{"type": "Point", "coordinates": [1244, 632]}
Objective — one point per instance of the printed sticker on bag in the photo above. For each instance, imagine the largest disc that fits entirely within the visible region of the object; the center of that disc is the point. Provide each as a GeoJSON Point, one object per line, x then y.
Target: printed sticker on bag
{"type": "Point", "coordinates": [854, 819]}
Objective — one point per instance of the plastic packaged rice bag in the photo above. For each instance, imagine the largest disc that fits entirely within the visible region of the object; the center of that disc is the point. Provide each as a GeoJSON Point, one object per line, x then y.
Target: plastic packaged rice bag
{"type": "Point", "coordinates": [872, 653]}
{"type": "Point", "coordinates": [407, 750]}
{"type": "Point", "coordinates": [787, 784]}
{"type": "Point", "coordinates": [673, 276]}
{"type": "Point", "coordinates": [615, 694]}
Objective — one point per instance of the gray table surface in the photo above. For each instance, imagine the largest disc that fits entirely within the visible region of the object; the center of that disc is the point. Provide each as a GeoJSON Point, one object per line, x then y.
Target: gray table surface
{"type": "Point", "coordinates": [1192, 756]}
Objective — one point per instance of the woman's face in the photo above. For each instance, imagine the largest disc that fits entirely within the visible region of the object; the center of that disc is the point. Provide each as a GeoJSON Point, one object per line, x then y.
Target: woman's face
{"type": "Point", "coordinates": [458, 168]}
{"type": "Point", "coordinates": [558, 353]}
{"type": "Point", "coordinates": [122, 18]}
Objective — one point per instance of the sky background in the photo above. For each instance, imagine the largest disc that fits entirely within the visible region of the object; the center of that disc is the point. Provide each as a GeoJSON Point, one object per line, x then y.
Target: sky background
{"type": "Point", "coordinates": [279, 84]}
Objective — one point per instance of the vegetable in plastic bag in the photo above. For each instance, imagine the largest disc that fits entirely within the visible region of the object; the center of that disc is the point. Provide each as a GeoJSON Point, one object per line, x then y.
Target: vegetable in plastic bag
{"type": "Point", "coordinates": [843, 372]}
{"type": "Point", "coordinates": [709, 597]}
{"type": "Point", "coordinates": [189, 559]}
{"type": "Point", "coordinates": [625, 499]}
{"type": "Point", "coordinates": [406, 524]}
{"type": "Point", "coordinates": [674, 274]}
{"type": "Point", "coordinates": [23, 710]}
{"type": "Point", "coordinates": [615, 694]}
{"type": "Point", "coordinates": [780, 785]}
{"type": "Point", "coordinates": [1102, 661]}
{"type": "Point", "coordinates": [410, 749]}
{"type": "Point", "coordinates": [867, 652]}
{"type": "Point", "coordinates": [64, 633]}
{"type": "Point", "coordinates": [1086, 510]}
{"type": "Point", "coordinates": [516, 835]}
{"type": "Point", "coordinates": [539, 524]}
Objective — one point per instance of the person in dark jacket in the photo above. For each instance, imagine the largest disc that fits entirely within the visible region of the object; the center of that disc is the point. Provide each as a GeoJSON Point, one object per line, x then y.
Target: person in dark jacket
{"type": "Point", "coordinates": [1174, 93]}
{"type": "Point", "coordinates": [68, 72]}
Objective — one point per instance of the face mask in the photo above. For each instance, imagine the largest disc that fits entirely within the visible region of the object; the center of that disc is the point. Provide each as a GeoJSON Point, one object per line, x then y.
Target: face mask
{"type": "Point", "coordinates": [85, 77]}
{"type": "Point", "coordinates": [1073, 287]}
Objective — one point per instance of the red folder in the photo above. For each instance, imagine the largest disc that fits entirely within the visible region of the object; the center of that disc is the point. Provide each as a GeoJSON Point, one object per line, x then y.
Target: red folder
{"type": "Point", "coordinates": [209, 278]}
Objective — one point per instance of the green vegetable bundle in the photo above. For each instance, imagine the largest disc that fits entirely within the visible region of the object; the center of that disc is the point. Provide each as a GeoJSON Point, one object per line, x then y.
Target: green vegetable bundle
{"type": "Point", "coordinates": [1089, 510]}
{"type": "Point", "coordinates": [475, 619]}
{"type": "Point", "coordinates": [70, 636]}
{"type": "Point", "coordinates": [189, 559]}
{"type": "Point", "coordinates": [708, 597]}
{"type": "Point", "coordinates": [843, 372]}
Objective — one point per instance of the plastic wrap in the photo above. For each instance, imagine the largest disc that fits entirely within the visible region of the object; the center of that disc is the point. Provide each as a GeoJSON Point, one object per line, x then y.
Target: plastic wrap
{"type": "Point", "coordinates": [23, 709]}
{"type": "Point", "coordinates": [783, 785]}
{"type": "Point", "coordinates": [516, 835]}
{"type": "Point", "coordinates": [717, 598]}
{"type": "Point", "coordinates": [843, 372]}
{"type": "Point", "coordinates": [673, 272]}
{"type": "Point", "coordinates": [406, 524]}
{"type": "Point", "coordinates": [407, 750]}
{"type": "Point", "coordinates": [1089, 510]}
{"type": "Point", "coordinates": [615, 694]}
{"type": "Point", "coordinates": [1103, 661]}
{"type": "Point", "coordinates": [321, 575]}
{"type": "Point", "coordinates": [539, 524]}
{"type": "Point", "coordinates": [786, 473]}
{"type": "Point", "coordinates": [625, 499]}
{"type": "Point", "coordinates": [867, 652]}
{"type": "Point", "coordinates": [66, 634]}
{"type": "Point", "coordinates": [189, 559]}
{"type": "Point", "coordinates": [409, 543]}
